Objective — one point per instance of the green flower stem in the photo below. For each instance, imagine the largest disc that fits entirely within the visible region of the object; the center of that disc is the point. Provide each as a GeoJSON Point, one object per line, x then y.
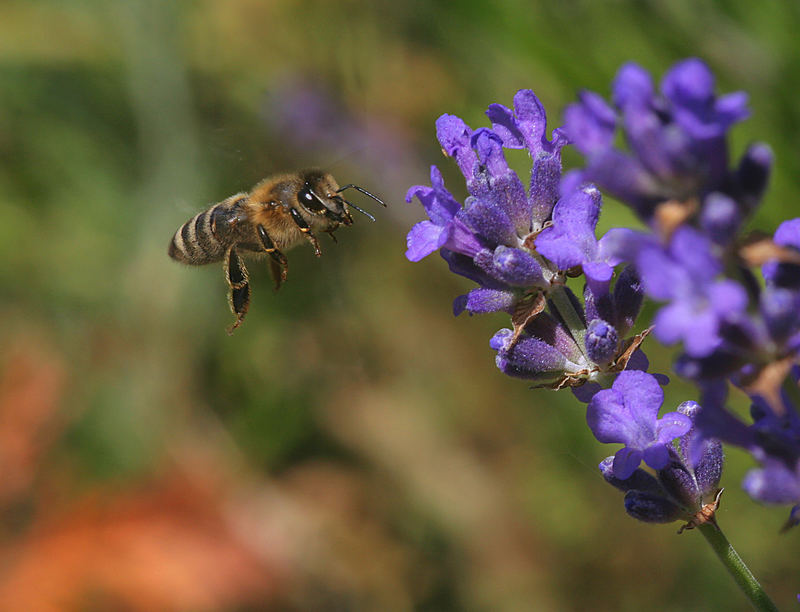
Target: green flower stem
{"type": "Point", "coordinates": [740, 572]}
{"type": "Point", "coordinates": [577, 326]}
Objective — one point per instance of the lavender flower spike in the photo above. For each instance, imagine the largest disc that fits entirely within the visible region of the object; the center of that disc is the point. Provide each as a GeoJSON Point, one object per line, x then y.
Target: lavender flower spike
{"type": "Point", "coordinates": [628, 413]}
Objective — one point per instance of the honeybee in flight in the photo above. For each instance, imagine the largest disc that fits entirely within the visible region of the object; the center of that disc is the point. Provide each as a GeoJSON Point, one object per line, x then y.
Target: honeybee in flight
{"type": "Point", "coordinates": [279, 213]}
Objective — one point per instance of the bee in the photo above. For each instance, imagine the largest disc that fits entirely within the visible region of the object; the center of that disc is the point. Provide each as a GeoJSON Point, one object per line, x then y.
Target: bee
{"type": "Point", "coordinates": [279, 213]}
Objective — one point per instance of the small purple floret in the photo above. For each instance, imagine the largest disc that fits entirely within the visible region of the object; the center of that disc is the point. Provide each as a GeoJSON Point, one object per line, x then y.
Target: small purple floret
{"type": "Point", "coordinates": [628, 413]}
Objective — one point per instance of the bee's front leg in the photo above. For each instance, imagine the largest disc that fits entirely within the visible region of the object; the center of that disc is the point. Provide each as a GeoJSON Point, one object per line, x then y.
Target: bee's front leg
{"type": "Point", "coordinates": [238, 286]}
{"type": "Point", "coordinates": [279, 265]}
{"type": "Point", "coordinates": [303, 226]}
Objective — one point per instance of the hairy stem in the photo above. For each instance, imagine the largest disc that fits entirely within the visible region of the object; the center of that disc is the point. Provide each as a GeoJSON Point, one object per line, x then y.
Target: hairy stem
{"type": "Point", "coordinates": [740, 572]}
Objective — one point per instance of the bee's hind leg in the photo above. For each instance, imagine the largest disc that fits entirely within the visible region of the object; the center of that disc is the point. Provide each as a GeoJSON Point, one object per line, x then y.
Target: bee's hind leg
{"type": "Point", "coordinates": [238, 287]}
{"type": "Point", "coordinates": [279, 265]}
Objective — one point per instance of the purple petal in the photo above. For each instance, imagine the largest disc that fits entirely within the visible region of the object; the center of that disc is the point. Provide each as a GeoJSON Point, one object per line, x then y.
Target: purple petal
{"type": "Point", "coordinates": [701, 334]}
{"type": "Point", "coordinates": [621, 244]}
{"type": "Point", "coordinates": [727, 298]}
{"type": "Point", "coordinates": [788, 233]}
{"type": "Point", "coordinates": [656, 456]}
{"type": "Point", "coordinates": [438, 202]}
{"type": "Point", "coordinates": [672, 425]}
{"type": "Point", "coordinates": [532, 120]}
{"type": "Point", "coordinates": [607, 416]}
{"type": "Point", "coordinates": [632, 86]}
{"type": "Point", "coordinates": [643, 395]}
{"type": "Point", "coordinates": [586, 391]}
{"type": "Point", "coordinates": [692, 250]}
{"type": "Point", "coordinates": [598, 271]}
{"type": "Point", "coordinates": [689, 83]}
{"type": "Point", "coordinates": [661, 277]}
{"type": "Point", "coordinates": [732, 108]}
{"type": "Point", "coordinates": [505, 126]}
{"type": "Point", "coordinates": [423, 239]}
{"type": "Point", "coordinates": [590, 123]}
{"type": "Point", "coordinates": [671, 322]}
{"type": "Point", "coordinates": [626, 460]}
{"type": "Point", "coordinates": [454, 136]}
{"type": "Point", "coordinates": [571, 240]}
{"type": "Point", "coordinates": [461, 238]}
{"type": "Point", "coordinates": [564, 253]}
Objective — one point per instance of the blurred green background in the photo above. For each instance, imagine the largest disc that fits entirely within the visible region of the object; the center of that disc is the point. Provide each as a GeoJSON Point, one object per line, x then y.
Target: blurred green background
{"type": "Point", "coordinates": [352, 446]}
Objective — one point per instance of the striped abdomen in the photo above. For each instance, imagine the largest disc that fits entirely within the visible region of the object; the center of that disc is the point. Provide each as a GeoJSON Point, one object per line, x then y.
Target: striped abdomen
{"type": "Point", "coordinates": [204, 238]}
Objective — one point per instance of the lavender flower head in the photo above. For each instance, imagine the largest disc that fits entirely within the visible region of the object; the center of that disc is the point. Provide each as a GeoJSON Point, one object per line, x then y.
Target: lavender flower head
{"type": "Point", "coordinates": [489, 240]}
{"type": "Point", "coordinates": [677, 162]}
{"type": "Point", "coordinates": [522, 242]}
{"type": "Point", "coordinates": [732, 326]}
{"type": "Point", "coordinates": [520, 245]}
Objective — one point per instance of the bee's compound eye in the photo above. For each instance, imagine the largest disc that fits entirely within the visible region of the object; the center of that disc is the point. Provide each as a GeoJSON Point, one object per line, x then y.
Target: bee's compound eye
{"type": "Point", "coordinates": [309, 201]}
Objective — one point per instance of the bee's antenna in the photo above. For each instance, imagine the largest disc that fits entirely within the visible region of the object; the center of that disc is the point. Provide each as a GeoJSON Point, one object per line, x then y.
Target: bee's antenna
{"type": "Point", "coordinates": [358, 208]}
{"type": "Point", "coordinates": [364, 191]}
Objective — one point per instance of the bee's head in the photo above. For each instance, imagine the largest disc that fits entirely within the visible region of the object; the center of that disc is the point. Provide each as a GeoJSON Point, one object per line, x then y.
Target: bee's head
{"type": "Point", "coordinates": [320, 195]}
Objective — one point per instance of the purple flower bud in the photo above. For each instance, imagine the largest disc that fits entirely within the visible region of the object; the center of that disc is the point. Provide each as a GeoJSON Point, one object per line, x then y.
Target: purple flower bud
{"type": "Point", "coordinates": [483, 300]}
{"type": "Point", "coordinates": [530, 358]}
{"type": "Point", "coordinates": [628, 298]}
{"type": "Point", "coordinates": [720, 218]}
{"type": "Point", "coordinates": [517, 267]}
{"type": "Point", "coordinates": [602, 341]}
{"type": "Point", "coordinates": [543, 191]}
{"type": "Point", "coordinates": [680, 482]}
{"type": "Point", "coordinates": [598, 306]}
{"type": "Point", "coordinates": [708, 470]}
{"type": "Point", "coordinates": [781, 311]}
{"type": "Point", "coordinates": [708, 451]}
{"type": "Point", "coordinates": [753, 174]}
{"type": "Point", "coordinates": [785, 274]}
{"type": "Point", "coordinates": [775, 483]}
{"type": "Point", "coordinates": [651, 508]}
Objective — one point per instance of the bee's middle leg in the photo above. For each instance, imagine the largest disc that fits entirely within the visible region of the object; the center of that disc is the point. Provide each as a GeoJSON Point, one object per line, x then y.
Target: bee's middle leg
{"type": "Point", "coordinates": [238, 287]}
{"type": "Point", "coordinates": [303, 226]}
{"type": "Point", "coordinates": [279, 265]}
